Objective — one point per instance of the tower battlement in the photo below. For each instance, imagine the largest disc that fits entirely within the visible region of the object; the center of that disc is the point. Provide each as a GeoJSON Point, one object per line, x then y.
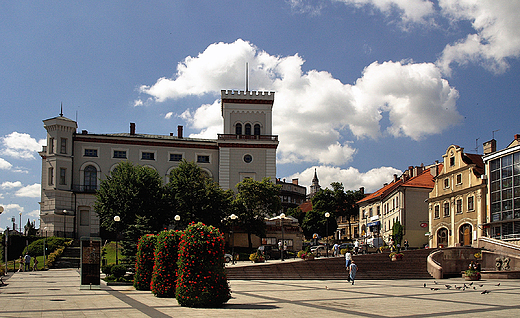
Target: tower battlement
{"type": "Point", "coordinates": [257, 95]}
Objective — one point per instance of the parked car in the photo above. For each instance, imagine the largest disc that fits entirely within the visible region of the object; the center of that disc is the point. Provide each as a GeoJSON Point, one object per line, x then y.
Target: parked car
{"type": "Point", "coordinates": [271, 252]}
{"type": "Point", "coordinates": [367, 248]}
{"type": "Point", "coordinates": [319, 250]}
{"type": "Point", "coordinates": [346, 246]}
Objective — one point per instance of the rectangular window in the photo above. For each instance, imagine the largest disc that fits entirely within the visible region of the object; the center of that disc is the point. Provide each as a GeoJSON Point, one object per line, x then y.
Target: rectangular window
{"type": "Point", "coordinates": [378, 210]}
{"type": "Point", "coordinates": [51, 176]}
{"type": "Point", "coordinates": [63, 176]}
{"type": "Point", "coordinates": [202, 159]}
{"type": "Point", "coordinates": [459, 179]}
{"type": "Point", "coordinates": [436, 212]}
{"type": "Point", "coordinates": [90, 153]}
{"type": "Point", "coordinates": [147, 156]}
{"type": "Point", "coordinates": [84, 218]}
{"type": "Point", "coordinates": [458, 206]}
{"type": "Point", "coordinates": [471, 203]}
{"type": "Point", "coordinates": [446, 209]}
{"type": "Point", "coordinates": [452, 161]}
{"type": "Point", "coordinates": [446, 183]}
{"type": "Point", "coordinates": [63, 145]}
{"type": "Point", "coordinates": [120, 154]}
{"type": "Point", "coordinates": [175, 157]}
{"type": "Point", "coordinates": [370, 212]}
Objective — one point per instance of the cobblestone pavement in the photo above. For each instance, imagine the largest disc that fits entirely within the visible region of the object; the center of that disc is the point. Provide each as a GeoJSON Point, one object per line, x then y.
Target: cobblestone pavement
{"type": "Point", "coordinates": [56, 293]}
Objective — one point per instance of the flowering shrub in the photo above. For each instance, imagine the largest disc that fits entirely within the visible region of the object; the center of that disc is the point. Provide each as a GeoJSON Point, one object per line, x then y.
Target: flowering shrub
{"type": "Point", "coordinates": [396, 255]}
{"type": "Point", "coordinates": [165, 264]}
{"type": "Point", "coordinates": [202, 280]}
{"type": "Point", "coordinates": [256, 257]}
{"type": "Point", "coordinates": [144, 262]}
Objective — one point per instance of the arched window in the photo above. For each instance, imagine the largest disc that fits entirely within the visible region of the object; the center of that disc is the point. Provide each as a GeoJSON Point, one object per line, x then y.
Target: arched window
{"type": "Point", "coordinates": [257, 130]}
{"type": "Point", "coordinates": [465, 235]}
{"type": "Point", "coordinates": [238, 129]}
{"type": "Point", "coordinates": [248, 129]}
{"type": "Point", "coordinates": [442, 237]}
{"type": "Point", "coordinates": [90, 178]}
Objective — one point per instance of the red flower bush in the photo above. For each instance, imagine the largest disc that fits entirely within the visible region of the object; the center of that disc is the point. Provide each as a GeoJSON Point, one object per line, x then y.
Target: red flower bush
{"type": "Point", "coordinates": [144, 262]}
{"type": "Point", "coordinates": [165, 268]}
{"type": "Point", "coordinates": [201, 277]}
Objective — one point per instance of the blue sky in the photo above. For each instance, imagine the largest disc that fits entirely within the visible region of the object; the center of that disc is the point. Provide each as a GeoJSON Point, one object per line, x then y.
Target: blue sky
{"type": "Point", "coordinates": [364, 88]}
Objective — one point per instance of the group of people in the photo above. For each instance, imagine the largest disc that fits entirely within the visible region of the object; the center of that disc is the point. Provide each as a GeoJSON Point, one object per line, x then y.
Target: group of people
{"type": "Point", "coordinates": [351, 267]}
{"type": "Point", "coordinates": [25, 263]}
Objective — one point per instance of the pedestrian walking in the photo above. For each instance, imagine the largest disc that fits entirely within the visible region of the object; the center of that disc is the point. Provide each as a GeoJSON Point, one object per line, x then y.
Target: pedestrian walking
{"type": "Point", "coordinates": [348, 260]}
{"type": "Point", "coordinates": [356, 247]}
{"type": "Point", "coordinates": [353, 271]}
{"type": "Point", "coordinates": [21, 262]}
{"type": "Point", "coordinates": [406, 245]}
{"type": "Point", "coordinates": [35, 267]}
{"type": "Point", "coordinates": [27, 260]}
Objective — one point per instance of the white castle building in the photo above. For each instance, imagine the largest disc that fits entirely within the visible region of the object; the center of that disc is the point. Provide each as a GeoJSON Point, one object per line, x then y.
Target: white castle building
{"type": "Point", "coordinates": [73, 164]}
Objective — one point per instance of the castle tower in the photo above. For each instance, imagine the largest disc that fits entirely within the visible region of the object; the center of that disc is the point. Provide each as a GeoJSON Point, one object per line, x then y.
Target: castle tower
{"type": "Point", "coordinates": [56, 207]}
{"type": "Point", "coordinates": [247, 141]}
{"type": "Point", "coordinates": [315, 186]}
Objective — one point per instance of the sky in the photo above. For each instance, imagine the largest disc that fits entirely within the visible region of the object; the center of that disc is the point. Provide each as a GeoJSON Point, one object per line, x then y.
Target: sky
{"type": "Point", "coordinates": [363, 88]}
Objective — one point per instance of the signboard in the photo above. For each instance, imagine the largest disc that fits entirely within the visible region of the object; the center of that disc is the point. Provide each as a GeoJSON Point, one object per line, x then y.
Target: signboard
{"type": "Point", "coordinates": [90, 262]}
{"type": "Point", "coordinates": [424, 224]}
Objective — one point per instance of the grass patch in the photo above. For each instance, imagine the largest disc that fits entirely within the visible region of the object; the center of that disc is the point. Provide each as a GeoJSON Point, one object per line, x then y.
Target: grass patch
{"type": "Point", "coordinates": [110, 249]}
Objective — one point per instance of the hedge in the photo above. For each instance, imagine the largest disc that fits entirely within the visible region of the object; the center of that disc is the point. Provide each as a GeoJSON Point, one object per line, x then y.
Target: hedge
{"type": "Point", "coordinates": [145, 260]}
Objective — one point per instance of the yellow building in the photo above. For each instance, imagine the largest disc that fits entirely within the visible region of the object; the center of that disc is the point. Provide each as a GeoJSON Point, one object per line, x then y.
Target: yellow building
{"type": "Point", "coordinates": [457, 203]}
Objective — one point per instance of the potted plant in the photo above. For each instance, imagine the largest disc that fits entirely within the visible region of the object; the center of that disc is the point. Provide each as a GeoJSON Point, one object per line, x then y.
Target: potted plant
{"type": "Point", "coordinates": [394, 256]}
{"type": "Point", "coordinates": [472, 273]}
{"type": "Point", "coordinates": [257, 257]}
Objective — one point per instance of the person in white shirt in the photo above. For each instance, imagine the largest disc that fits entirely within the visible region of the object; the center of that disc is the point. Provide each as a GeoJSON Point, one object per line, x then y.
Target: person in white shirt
{"type": "Point", "coordinates": [348, 260]}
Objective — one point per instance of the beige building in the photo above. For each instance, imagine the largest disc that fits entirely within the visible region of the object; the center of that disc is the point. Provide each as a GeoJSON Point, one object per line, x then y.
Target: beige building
{"type": "Point", "coordinates": [457, 203]}
{"type": "Point", "coordinates": [403, 200]}
{"type": "Point", "coordinates": [503, 180]}
{"type": "Point", "coordinates": [73, 164]}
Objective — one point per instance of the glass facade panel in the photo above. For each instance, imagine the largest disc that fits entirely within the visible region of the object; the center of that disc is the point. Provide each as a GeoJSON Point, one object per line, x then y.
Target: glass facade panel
{"type": "Point", "coordinates": [507, 183]}
{"type": "Point", "coordinates": [507, 172]}
{"type": "Point", "coordinates": [495, 196]}
{"type": "Point", "coordinates": [495, 164]}
{"type": "Point", "coordinates": [507, 160]}
{"type": "Point", "coordinates": [507, 194]}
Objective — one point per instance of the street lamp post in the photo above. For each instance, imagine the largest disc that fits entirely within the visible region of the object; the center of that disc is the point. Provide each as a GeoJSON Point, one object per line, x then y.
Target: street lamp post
{"type": "Point", "coordinates": [44, 249]}
{"type": "Point", "coordinates": [117, 219]}
{"type": "Point", "coordinates": [20, 222]}
{"type": "Point", "coordinates": [282, 218]}
{"type": "Point", "coordinates": [233, 217]}
{"type": "Point", "coordinates": [327, 215]}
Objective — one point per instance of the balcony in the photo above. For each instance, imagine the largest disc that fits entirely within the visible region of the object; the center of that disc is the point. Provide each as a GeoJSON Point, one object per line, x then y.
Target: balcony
{"type": "Point", "coordinates": [84, 188]}
{"type": "Point", "coordinates": [248, 137]}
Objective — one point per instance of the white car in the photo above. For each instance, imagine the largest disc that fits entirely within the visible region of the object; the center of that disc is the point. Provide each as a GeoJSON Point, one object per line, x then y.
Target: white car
{"type": "Point", "coordinates": [319, 250]}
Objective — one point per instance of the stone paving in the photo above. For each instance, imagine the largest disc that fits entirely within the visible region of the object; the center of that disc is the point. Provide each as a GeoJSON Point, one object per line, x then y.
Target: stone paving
{"type": "Point", "coordinates": [56, 293]}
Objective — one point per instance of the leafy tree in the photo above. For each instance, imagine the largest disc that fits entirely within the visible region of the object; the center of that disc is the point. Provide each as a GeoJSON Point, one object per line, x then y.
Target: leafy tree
{"type": "Point", "coordinates": [195, 197]}
{"type": "Point", "coordinates": [135, 194]}
{"type": "Point", "coordinates": [316, 222]}
{"type": "Point", "coordinates": [397, 234]}
{"type": "Point", "coordinates": [255, 201]}
{"type": "Point", "coordinates": [145, 260]}
{"type": "Point", "coordinates": [296, 213]}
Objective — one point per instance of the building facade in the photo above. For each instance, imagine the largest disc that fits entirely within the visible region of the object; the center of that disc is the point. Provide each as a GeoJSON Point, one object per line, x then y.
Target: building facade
{"type": "Point", "coordinates": [292, 194]}
{"type": "Point", "coordinates": [457, 203]}
{"type": "Point", "coordinates": [73, 164]}
{"type": "Point", "coordinates": [403, 200]}
{"type": "Point", "coordinates": [503, 180]}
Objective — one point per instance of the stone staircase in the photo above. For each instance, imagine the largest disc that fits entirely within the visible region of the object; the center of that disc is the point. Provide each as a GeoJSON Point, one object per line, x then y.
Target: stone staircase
{"type": "Point", "coordinates": [70, 257]}
{"type": "Point", "coordinates": [370, 266]}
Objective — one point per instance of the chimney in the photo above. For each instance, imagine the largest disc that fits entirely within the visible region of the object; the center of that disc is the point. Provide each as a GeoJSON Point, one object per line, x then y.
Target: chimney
{"type": "Point", "coordinates": [410, 171]}
{"type": "Point", "coordinates": [179, 131]}
{"type": "Point", "coordinates": [395, 178]}
{"type": "Point", "coordinates": [362, 190]}
{"type": "Point", "coordinates": [132, 128]}
{"type": "Point", "coordinates": [517, 137]}
{"type": "Point", "coordinates": [491, 146]}
{"type": "Point", "coordinates": [171, 134]}
{"type": "Point", "coordinates": [295, 181]}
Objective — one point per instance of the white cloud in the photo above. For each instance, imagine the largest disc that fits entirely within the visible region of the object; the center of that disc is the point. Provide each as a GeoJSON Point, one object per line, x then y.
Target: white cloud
{"type": "Point", "coordinates": [351, 178]}
{"type": "Point", "coordinates": [11, 185]}
{"type": "Point", "coordinates": [416, 11]}
{"type": "Point", "coordinates": [12, 206]}
{"type": "Point", "coordinates": [497, 36]}
{"type": "Point", "coordinates": [168, 115]}
{"type": "Point", "coordinates": [35, 214]}
{"type": "Point", "coordinates": [21, 146]}
{"type": "Point", "coordinates": [4, 164]}
{"type": "Point", "coordinates": [313, 110]}
{"type": "Point", "coordinates": [31, 191]}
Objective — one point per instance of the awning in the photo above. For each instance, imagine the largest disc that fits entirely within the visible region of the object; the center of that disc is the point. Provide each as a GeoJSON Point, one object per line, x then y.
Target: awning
{"type": "Point", "coordinates": [373, 223]}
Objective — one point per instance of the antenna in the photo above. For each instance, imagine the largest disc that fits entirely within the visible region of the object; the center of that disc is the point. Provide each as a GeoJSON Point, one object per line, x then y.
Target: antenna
{"type": "Point", "coordinates": [247, 76]}
{"type": "Point", "coordinates": [61, 109]}
{"type": "Point", "coordinates": [494, 133]}
{"type": "Point", "coordinates": [476, 145]}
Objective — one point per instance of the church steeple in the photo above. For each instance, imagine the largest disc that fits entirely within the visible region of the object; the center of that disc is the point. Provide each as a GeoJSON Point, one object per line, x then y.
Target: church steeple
{"type": "Point", "coordinates": [315, 186]}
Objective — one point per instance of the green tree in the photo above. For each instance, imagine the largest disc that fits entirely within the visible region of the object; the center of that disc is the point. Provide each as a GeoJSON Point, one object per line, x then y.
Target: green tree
{"type": "Point", "coordinates": [316, 222]}
{"type": "Point", "coordinates": [195, 197]}
{"type": "Point", "coordinates": [135, 194]}
{"type": "Point", "coordinates": [255, 201]}
{"type": "Point", "coordinates": [397, 234]}
{"type": "Point", "coordinates": [296, 213]}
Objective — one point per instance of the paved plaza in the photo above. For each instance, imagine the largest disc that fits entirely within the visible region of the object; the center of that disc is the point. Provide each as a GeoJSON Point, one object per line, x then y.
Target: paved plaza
{"type": "Point", "coordinates": [56, 293]}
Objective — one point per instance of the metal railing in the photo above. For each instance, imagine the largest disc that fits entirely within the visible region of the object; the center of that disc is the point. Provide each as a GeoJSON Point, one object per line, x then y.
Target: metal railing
{"type": "Point", "coordinates": [248, 137]}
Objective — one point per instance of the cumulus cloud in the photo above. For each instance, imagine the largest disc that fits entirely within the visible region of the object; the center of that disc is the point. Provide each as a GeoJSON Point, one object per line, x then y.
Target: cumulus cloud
{"type": "Point", "coordinates": [11, 185]}
{"type": "Point", "coordinates": [12, 207]}
{"type": "Point", "coordinates": [4, 164]}
{"type": "Point", "coordinates": [31, 191]}
{"type": "Point", "coordinates": [351, 178]}
{"type": "Point", "coordinates": [497, 36]}
{"type": "Point", "coordinates": [21, 146]}
{"type": "Point", "coordinates": [314, 111]}
{"type": "Point", "coordinates": [416, 11]}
